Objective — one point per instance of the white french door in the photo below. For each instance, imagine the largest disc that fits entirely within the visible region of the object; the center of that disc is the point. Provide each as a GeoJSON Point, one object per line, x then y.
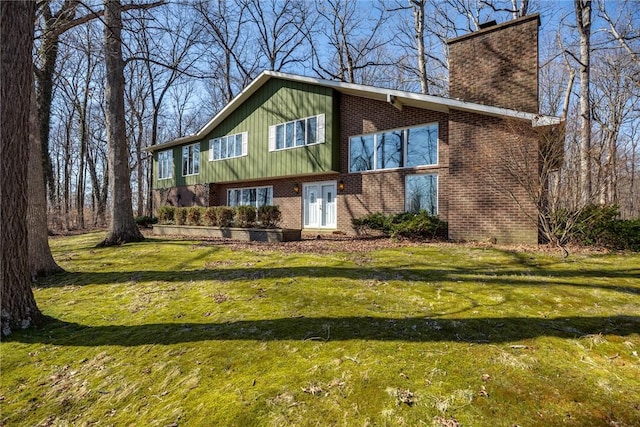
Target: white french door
{"type": "Point", "coordinates": [319, 205]}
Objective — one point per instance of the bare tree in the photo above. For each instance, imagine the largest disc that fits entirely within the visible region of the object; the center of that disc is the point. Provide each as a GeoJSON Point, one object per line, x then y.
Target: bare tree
{"type": "Point", "coordinates": [122, 228]}
{"type": "Point", "coordinates": [423, 60]}
{"type": "Point", "coordinates": [529, 168]}
{"type": "Point", "coordinates": [625, 28]}
{"type": "Point", "coordinates": [281, 27]}
{"type": "Point", "coordinates": [583, 20]}
{"type": "Point", "coordinates": [54, 24]}
{"type": "Point", "coordinates": [353, 41]}
{"type": "Point", "coordinates": [41, 262]}
{"type": "Point", "coordinates": [418, 23]}
{"type": "Point", "coordinates": [517, 8]}
{"type": "Point", "coordinates": [164, 53]}
{"type": "Point", "coordinates": [230, 51]}
{"type": "Point", "coordinates": [19, 309]}
{"type": "Point", "coordinates": [614, 99]}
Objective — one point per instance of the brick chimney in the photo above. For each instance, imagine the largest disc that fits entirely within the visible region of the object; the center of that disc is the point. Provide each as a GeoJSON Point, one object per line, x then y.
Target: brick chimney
{"type": "Point", "coordinates": [497, 65]}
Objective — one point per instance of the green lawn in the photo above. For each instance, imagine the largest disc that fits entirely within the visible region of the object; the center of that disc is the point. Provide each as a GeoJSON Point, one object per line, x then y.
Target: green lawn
{"type": "Point", "coordinates": [169, 332]}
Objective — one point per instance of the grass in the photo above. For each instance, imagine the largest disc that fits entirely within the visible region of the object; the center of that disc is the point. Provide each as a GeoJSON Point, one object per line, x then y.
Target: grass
{"type": "Point", "coordinates": [169, 332]}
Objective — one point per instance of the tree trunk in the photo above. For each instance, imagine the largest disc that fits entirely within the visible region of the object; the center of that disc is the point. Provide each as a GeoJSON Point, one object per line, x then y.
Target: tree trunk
{"type": "Point", "coordinates": [583, 19]}
{"type": "Point", "coordinates": [41, 262]}
{"type": "Point", "coordinates": [19, 309]}
{"type": "Point", "coordinates": [66, 192]}
{"type": "Point", "coordinates": [418, 22]}
{"type": "Point", "coordinates": [49, 54]}
{"type": "Point", "coordinates": [123, 228]}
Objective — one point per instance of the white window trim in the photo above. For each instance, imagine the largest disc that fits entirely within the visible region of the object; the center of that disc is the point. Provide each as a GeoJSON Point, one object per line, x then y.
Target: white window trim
{"type": "Point", "coordinates": [320, 133]}
{"type": "Point", "coordinates": [169, 166]}
{"type": "Point", "coordinates": [404, 148]}
{"type": "Point", "coordinates": [437, 211]}
{"type": "Point", "coordinates": [245, 146]}
{"type": "Point", "coordinates": [248, 188]}
{"type": "Point", "coordinates": [199, 154]}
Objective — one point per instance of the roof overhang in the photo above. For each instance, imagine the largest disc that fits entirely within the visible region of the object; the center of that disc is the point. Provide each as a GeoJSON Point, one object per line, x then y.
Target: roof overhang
{"type": "Point", "coordinates": [396, 97]}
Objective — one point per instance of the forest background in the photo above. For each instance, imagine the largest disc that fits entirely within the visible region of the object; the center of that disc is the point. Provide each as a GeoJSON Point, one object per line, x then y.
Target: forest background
{"type": "Point", "coordinates": [184, 60]}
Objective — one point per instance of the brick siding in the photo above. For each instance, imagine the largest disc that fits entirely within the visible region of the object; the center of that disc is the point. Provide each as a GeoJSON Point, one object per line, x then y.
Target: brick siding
{"type": "Point", "coordinates": [497, 66]}
{"type": "Point", "coordinates": [482, 187]}
{"type": "Point", "coordinates": [383, 191]}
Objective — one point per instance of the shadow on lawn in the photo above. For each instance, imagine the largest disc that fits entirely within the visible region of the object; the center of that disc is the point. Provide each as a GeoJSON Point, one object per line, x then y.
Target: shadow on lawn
{"type": "Point", "coordinates": [413, 329]}
{"type": "Point", "coordinates": [416, 276]}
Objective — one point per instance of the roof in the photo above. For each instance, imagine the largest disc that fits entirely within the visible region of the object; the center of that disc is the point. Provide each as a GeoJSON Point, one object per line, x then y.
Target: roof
{"type": "Point", "coordinates": [428, 102]}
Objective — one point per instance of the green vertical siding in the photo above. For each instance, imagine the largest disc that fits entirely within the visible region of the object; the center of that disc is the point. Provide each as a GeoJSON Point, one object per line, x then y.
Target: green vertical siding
{"type": "Point", "coordinates": [277, 101]}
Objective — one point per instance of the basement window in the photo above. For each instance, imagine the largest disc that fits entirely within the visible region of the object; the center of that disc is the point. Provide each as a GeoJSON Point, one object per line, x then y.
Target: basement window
{"type": "Point", "coordinates": [252, 196]}
{"type": "Point", "coordinates": [421, 193]}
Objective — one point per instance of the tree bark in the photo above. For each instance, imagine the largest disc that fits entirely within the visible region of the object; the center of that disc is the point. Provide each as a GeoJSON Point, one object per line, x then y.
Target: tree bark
{"type": "Point", "coordinates": [53, 24]}
{"type": "Point", "coordinates": [41, 262]}
{"type": "Point", "coordinates": [19, 309]}
{"type": "Point", "coordinates": [123, 227]}
{"type": "Point", "coordinates": [418, 21]}
{"type": "Point", "coordinates": [583, 19]}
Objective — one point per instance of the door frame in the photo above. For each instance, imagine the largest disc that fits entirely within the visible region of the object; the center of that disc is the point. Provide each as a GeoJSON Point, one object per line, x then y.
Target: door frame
{"type": "Point", "coordinates": [320, 212]}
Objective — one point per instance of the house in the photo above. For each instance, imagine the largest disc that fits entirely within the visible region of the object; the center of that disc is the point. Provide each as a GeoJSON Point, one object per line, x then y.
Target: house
{"type": "Point", "coordinates": [326, 151]}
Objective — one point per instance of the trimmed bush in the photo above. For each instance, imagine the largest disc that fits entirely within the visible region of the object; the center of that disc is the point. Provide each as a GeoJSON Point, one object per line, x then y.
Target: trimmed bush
{"type": "Point", "coordinates": [269, 216]}
{"type": "Point", "coordinates": [194, 214]}
{"type": "Point", "coordinates": [180, 216]}
{"type": "Point", "coordinates": [224, 216]}
{"type": "Point", "coordinates": [245, 216]}
{"type": "Point", "coordinates": [165, 214]}
{"type": "Point", "coordinates": [209, 217]}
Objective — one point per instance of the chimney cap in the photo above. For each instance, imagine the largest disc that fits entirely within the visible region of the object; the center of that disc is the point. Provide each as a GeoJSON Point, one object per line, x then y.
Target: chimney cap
{"type": "Point", "coordinates": [496, 27]}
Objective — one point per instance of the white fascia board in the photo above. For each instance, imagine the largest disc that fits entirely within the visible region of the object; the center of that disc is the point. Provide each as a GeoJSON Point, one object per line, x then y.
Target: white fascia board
{"type": "Point", "coordinates": [222, 114]}
{"type": "Point", "coordinates": [430, 102]}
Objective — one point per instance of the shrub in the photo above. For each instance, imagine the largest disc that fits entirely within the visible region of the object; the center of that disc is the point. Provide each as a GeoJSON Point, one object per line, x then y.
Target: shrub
{"type": "Point", "coordinates": [598, 225]}
{"type": "Point", "coordinates": [592, 222]}
{"type": "Point", "coordinates": [224, 216]}
{"type": "Point", "coordinates": [245, 216]}
{"type": "Point", "coordinates": [622, 234]}
{"type": "Point", "coordinates": [165, 214]}
{"type": "Point", "coordinates": [194, 215]}
{"type": "Point", "coordinates": [180, 216]}
{"type": "Point", "coordinates": [146, 221]}
{"type": "Point", "coordinates": [209, 216]}
{"type": "Point", "coordinates": [408, 225]}
{"type": "Point", "coordinates": [419, 225]}
{"type": "Point", "coordinates": [269, 216]}
{"type": "Point", "coordinates": [374, 221]}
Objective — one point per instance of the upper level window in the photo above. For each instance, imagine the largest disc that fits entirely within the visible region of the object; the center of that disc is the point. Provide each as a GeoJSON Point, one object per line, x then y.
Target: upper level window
{"type": "Point", "coordinates": [191, 159]}
{"type": "Point", "coordinates": [165, 164]}
{"type": "Point", "coordinates": [400, 148]}
{"type": "Point", "coordinates": [253, 196]}
{"type": "Point", "coordinates": [297, 133]}
{"type": "Point", "coordinates": [229, 146]}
